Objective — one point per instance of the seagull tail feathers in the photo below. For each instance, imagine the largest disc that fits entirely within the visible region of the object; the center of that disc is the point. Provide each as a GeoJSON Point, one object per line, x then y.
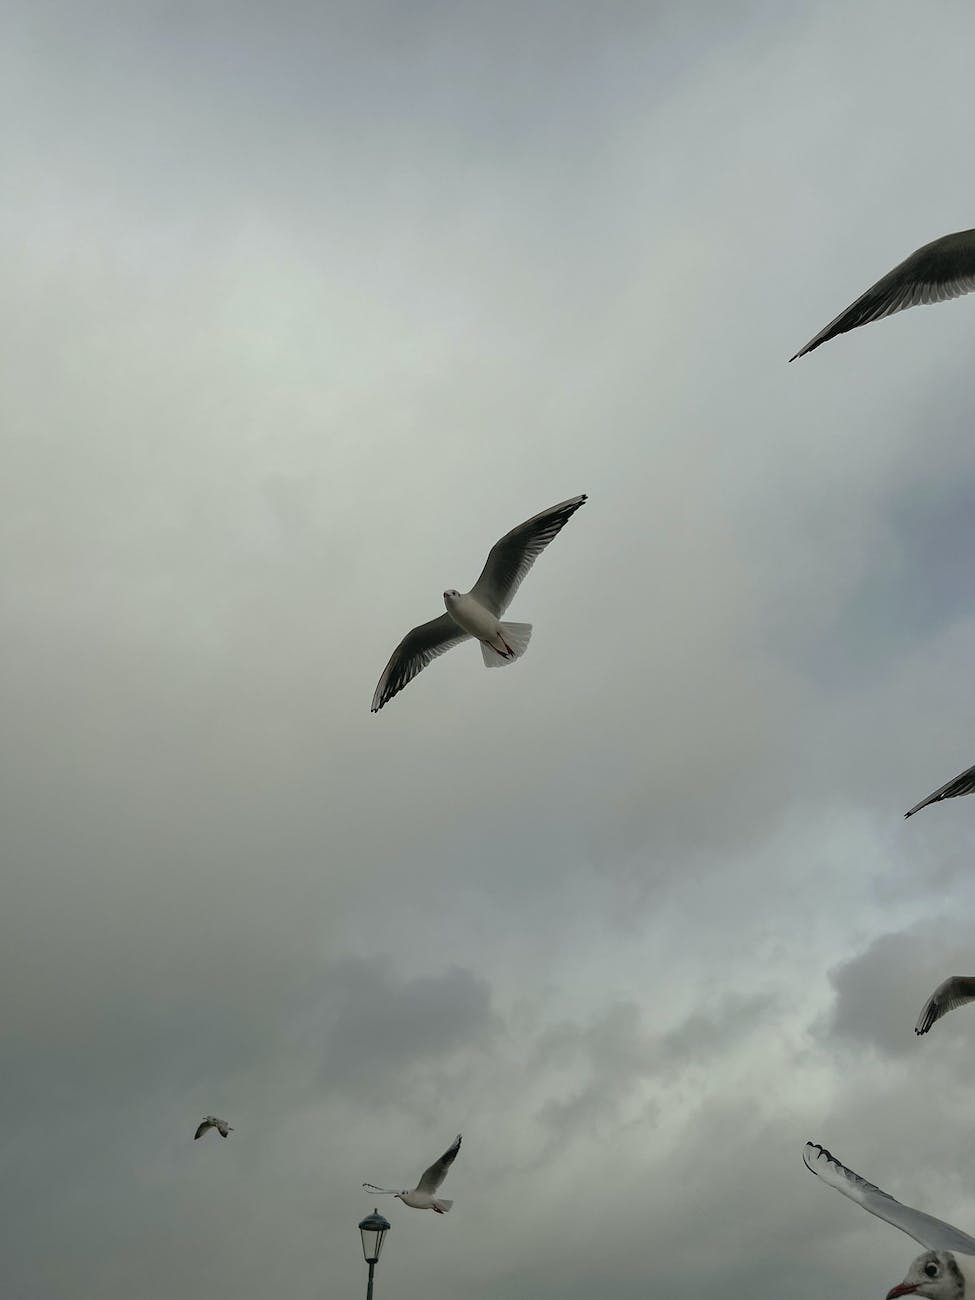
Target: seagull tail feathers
{"type": "Point", "coordinates": [516, 637]}
{"type": "Point", "coordinates": [442, 1207]}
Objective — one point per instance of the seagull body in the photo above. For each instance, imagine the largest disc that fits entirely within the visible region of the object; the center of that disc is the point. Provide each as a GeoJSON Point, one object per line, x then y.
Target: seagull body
{"type": "Point", "coordinates": [938, 271]}
{"type": "Point", "coordinates": [958, 785]}
{"type": "Point", "coordinates": [478, 621]}
{"type": "Point", "coordinates": [947, 1269]}
{"type": "Point", "coordinates": [954, 992]}
{"type": "Point", "coordinates": [211, 1121]}
{"type": "Point", "coordinates": [423, 1195]}
{"type": "Point", "coordinates": [418, 1200]}
{"type": "Point", "coordinates": [477, 613]}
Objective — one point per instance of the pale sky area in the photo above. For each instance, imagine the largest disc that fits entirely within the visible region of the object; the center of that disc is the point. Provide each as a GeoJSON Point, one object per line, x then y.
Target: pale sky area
{"type": "Point", "coordinates": [304, 305]}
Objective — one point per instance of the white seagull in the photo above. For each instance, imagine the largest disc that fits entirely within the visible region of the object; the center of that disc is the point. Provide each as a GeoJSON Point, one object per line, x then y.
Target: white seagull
{"type": "Point", "coordinates": [211, 1121]}
{"type": "Point", "coordinates": [946, 1271]}
{"type": "Point", "coordinates": [963, 784]}
{"type": "Point", "coordinates": [477, 613]}
{"type": "Point", "coordinates": [943, 269]}
{"type": "Point", "coordinates": [954, 992]}
{"type": "Point", "coordinates": [422, 1196]}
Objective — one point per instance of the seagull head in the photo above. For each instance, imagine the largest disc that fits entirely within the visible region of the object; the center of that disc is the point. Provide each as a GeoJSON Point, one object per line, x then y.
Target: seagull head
{"type": "Point", "coordinates": [450, 595]}
{"type": "Point", "coordinates": [935, 1275]}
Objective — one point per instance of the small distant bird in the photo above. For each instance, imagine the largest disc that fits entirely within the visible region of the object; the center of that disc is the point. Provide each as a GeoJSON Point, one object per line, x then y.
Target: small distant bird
{"type": "Point", "coordinates": [211, 1121]}
{"type": "Point", "coordinates": [943, 269]}
{"type": "Point", "coordinates": [963, 784]}
{"type": "Point", "coordinates": [954, 992]}
{"type": "Point", "coordinates": [945, 1272]}
{"type": "Point", "coordinates": [422, 1196]}
{"type": "Point", "coordinates": [477, 613]}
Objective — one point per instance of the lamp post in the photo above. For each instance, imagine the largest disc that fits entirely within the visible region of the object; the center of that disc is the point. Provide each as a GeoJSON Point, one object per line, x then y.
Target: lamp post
{"type": "Point", "coordinates": [373, 1229]}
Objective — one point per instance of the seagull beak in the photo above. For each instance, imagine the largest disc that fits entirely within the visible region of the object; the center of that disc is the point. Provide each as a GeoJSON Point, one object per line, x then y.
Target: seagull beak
{"type": "Point", "coordinates": [902, 1288]}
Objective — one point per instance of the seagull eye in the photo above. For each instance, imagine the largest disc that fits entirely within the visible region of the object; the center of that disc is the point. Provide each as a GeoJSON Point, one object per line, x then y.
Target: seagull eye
{"type": "Point", "coordinates": [931, 1269]}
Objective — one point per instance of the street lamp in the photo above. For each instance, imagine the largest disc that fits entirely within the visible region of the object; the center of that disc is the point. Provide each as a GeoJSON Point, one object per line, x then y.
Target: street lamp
{"type": "Point", "coordinates": [373, 1229]}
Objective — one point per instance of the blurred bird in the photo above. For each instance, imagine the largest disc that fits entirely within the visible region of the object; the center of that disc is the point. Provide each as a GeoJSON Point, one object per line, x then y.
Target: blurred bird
{"type": "Point", "coordinates": [954, 992]}
{"type": "Point", "coordinates": [422, 1196]}
{"type": "Point", "coordinates": [211, 1121]}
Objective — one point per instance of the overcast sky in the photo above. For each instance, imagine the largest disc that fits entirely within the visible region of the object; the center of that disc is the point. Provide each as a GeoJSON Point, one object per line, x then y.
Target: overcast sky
{"type": "Point", "coordinates": [304, 305]}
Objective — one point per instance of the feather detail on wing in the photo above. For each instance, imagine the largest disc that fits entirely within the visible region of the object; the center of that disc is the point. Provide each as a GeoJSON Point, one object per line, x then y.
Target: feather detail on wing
{"type": "Point", "coordinates": [932, 1233]}
{"type": "Point", "coordinates": [510, 558]}
{"type": "Point", "coordinates": [434, 1176]}
{"type": "Point", "coordinates": [958, 785]}
{"type": "Point", "coordinates": [417, 649]}
{"type": "Point", "coordinates": [938, 271]}
{"type": "Point", "coordinates": [954, 992]}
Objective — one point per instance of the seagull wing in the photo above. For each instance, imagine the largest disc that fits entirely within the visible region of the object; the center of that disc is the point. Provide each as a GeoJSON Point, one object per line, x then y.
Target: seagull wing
{"type": "Point", "coordinates": [205, 1124]}
{"type": "Point", "coordinates": [414, 652]}
{"type": "Point", "coordinates": [930, 1232]}
{"type": "Point", "coordinates": [511, 558]}
{"type": "Point", "coordinates": [434, 1176]}
{"type": "Point", "coordinates": [963, 784]}
{"type": "Point", "coordinates": [943, 269]}
{"type": "Point", "coordinates": [954, 992]}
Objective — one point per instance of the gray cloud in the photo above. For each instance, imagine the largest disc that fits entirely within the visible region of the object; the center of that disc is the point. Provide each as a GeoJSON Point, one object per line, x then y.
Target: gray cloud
{"type": "Point", "coordinates": [876, 988]}
{"type": "Point", "coordinates": [302, 309]}
{"type": "Point", "coordinates": [379, 1029]}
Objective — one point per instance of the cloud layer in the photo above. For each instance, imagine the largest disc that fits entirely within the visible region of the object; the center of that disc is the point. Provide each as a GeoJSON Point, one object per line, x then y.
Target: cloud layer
{"type": "Point", "coordinates": [304, 307]}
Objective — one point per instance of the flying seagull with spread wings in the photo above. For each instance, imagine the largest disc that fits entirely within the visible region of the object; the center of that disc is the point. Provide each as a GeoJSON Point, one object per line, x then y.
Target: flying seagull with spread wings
{"type": "Point", "coordinates": [211, 1121]}
{"type": "Point", "coordinates": [946, 1271]}
{"type": "Point", "coordinates": [954, 992]}
{"type": "Point", "coordinates": [943, 269]}
{"type": "Point", "coordinates": [963, 784]}
{"type": "Point", "coordinates": [477, 613]}
{"type": "Point", "coordinates": [423, 1197]}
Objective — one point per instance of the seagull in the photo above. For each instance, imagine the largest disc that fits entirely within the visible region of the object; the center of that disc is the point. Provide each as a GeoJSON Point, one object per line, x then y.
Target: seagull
{"type": "Point", "coordinates": [954, 992]}
{"type": "Point", "coordinates": [422, 1196]}
{"type": "Point", "coordinates": [946, 1271]}
{"type": "Point", "coordinates": [963, 784]}
{"type": "Point", "coordinates": [943, 269]}
{"type": "Point", "coordinates": [476, 613]}
{"type": "Point", "coordinates": [211, 1121]}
